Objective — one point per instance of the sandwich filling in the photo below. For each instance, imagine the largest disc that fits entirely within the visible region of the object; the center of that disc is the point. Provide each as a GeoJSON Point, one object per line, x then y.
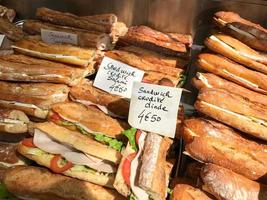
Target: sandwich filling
{"type": "Point", "coordinates": [65, 157]}
{"type": "Point", "coordinates": [100, 137]}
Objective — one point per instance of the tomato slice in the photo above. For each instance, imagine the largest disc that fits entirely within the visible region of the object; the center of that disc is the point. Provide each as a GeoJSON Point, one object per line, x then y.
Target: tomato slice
{"type": "Point", "coordinates": [56, 117]}
{"type": "Point", "coordinates": [28, 142]}
{"type": "Point", "coordinates": [126, 168]}
{"type": "Point", "coordinates": [137, 136]}
{"type": "Point", "coordinates": [59, 169]}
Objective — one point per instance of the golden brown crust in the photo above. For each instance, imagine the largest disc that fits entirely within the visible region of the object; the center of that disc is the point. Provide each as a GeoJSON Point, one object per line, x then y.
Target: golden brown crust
{"type": "Point", "coordinates": [33, 182]}
{"type": "Point", "coordinates": [79, 141]}
{"type": "Point", "coordinates": [187, 192]}
{"type": "Point", "coordinates": [86, 92]}
{"type": "Point", "coordinates": [85, 38]}
{"type": "Point", "coordinates": [208, 80]}
{"type": "Point", "coordinates": [83, 115]}
{"type": "Point", "coordinates": [235, 111]}
{"type": "Point", "coordinates": [227, 185]}
{"type": "Point", "coordinates": [212, 142]}
{"type": "Point", "coordinates": [146, 37]}
{"type": "Point", "coordinates": [224, 67]}
{"type": "Point", "coordinates": [91, 23]}
{"type": "Point", "coordinates": [237, 51]}
{"type": "Point", "coordinates": [62, 53]}
{"type": "Point", "coordinates": [25, 68]}
{"type": "Point", "coordinates": [39, 94]}
{"type": "Point", "coordinates": [12, 32]}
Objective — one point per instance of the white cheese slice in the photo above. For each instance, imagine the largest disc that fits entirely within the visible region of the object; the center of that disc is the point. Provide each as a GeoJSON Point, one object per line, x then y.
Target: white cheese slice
{"type": "Point", "coordinates": [28, 105]}
{"type": "Point", "coordinates": [10, 121]}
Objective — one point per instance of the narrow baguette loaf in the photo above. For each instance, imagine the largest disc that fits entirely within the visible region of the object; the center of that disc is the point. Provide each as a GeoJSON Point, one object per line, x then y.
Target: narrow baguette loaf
{"type": "Point", "coordinates": [227, 185]}
{"type": "Point", "coordinates": [211, 142]}
{"type": "Point", "coordinates": [187, 192]}
{"type": "Point", "coordinates": [45, 185]}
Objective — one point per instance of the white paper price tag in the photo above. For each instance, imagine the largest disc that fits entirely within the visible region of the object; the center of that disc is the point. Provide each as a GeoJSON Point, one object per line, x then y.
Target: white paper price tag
{"type": "Point", "coordinates": [154, 108]}
{"type": "Point", "coordinates": [2, 37]}
{"type": "Point", "coordinates": [58, 37]}
{"type": "Point", "coordinates": [116, 77]}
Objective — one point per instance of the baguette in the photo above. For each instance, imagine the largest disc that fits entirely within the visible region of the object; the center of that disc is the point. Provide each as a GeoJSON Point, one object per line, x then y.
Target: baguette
{"type": "Point", "coordinates": [111, 104]}
{"type": "Point", "coordinates": [235, 111]}
{"type": "Point", "coordinates": [85, 38]}
{"type": "Point", "coordinates": [208, 80]}
{"type": "Point", "coordinates": [187, 192]}
{"type": "Point", "coordinates": [237, 51]}
{"type": "Point", "coordinates": [34, 99]}
{"type": "Point", "coordinates": [211, 142]}
{"type": "Point", "coordinates": [232, 71]}
{"type": "Point", "coordinates": [148, 38]}
{"type": "Point", "coordinates": [39, 183]}
{"type": "Point", "coordinates": [227, 185]}
{"type": "Point", "coordinates": [7, 13]}
{"type": "Point", "coordinates": [12, 32]}
{"type": "Point", "coordinates": [28, 69]}
{"type": "Point", "coordinates": [61, 53]}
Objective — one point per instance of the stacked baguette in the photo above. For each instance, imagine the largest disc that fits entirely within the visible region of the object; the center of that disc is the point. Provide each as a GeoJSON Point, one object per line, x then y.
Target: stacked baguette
{"type": "Point", "coordinates": [229, 138]}
{"type": "Point", "coordinates": [74, 129]}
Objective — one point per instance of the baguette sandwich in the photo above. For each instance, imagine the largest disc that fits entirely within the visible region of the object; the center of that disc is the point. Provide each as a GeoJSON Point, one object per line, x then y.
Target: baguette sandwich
{"type": "Point", "coordinates": [252, 34]}
{"type": "Point", "coordinates": [70, 153]}
{"type": "Point", "coordinates": [146, 37]}
{"type": "Point", "coordinates": [110, 104]}
{"type": "Point", "coordinates": [212, 142]}
{"type": "Point", "coordinates": [224, 184]}
{"type": "Point", "coordinates": [208, 80]}
{"type": "Point", "coordinates": [13, 121]}
{"type": "Point", "coordinates": [144, 172]}
{"type": "Point", "coordinates": [234, 110]}
{"type": "Point", "coordinates": [38, 183]}
{"type": "Point", "coordinates": [28, 69]}
{"type": "Point", "coordinates": [67, 54]}
{"type": "Point", "coordinates": [232, 71]}
{"type": "Point", "coordinates": [11, 31]}
{"type": "Point", "coordinates": [101, 41]}
{"type": "Point", "coordinates": [237, 51]}
{"type": "Point", "coordinates": [93, 123]}
{"type": "Point", "coordinates": [33, 99]}
{"type": "Point", "coordinates": [7, 13]}
{"type": "Point", "coordinates": [187, 192]}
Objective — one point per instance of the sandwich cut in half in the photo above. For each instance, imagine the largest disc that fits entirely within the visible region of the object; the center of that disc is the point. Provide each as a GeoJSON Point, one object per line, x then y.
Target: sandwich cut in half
{"type": "Point", "coordinates": [70, 153]}
{"type": "Point", "coordinates": [144, 172]}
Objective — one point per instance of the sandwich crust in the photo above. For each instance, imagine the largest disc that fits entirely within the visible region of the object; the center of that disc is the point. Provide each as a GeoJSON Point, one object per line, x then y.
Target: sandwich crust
{"type": "Point", "coordinates": [79, 141]}
{"type": "Point", "coordinates": [187, 192]}
{"type": "Point", "coordinates": [211, 142]}
{"type": "Point", "coordinates": [39, 183]}
{"type": "Point", "coordinates": [44, 159]}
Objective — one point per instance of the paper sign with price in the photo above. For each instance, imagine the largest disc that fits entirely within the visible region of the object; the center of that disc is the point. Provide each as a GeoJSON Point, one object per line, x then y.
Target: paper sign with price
{"type": "Point", "coordinates": [154, 108]}
{"type": "Point", "coordinates": [116, 77]}
{"type": "Point", "coordinates": [58, 37]}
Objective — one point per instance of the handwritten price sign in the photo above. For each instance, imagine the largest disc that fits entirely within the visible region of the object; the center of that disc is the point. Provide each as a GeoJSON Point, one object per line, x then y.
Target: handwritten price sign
{"type": "Point", "coordinates": [116, 77]}
{"type": "Point", "coordinates": [154, 108]}
{"type": "Point", "coordinates": [58, 37]}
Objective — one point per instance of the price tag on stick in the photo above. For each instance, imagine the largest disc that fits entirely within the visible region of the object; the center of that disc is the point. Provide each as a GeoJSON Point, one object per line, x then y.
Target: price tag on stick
{"type": "Point", "coordinates": [116, 77]}
{"type": "Point", "coordinates": [154, 108]}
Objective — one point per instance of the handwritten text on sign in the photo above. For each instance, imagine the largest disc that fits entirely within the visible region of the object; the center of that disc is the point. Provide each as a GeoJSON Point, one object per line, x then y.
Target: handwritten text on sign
{"type": "Point", "coordinates": [116, 77]}
{"type": "Point", "coordinates": [58, 37]}
{"type": "Point", "coordinates": [154, 108]}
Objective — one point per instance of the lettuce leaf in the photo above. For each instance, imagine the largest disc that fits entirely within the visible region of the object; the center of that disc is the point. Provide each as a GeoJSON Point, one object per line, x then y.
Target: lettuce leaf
{"type": "Point", "coordinates": [132, 197]}
{"type": "Point", "coordinates": [130, 134]}
{"type": "Point", "coordinates": [111, 142]}
{"type": "Point", "coordinates": [5, 194]}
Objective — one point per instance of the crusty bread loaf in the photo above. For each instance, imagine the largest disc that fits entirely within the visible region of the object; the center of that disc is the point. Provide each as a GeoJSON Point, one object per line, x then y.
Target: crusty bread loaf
{"type": "Point", "coordinates": [227, 185]}
{"type": "Point", "coordinates": [187, 192]}
{"type": "Point", "coordinates": [232, 71]}
{"type": "Point", "coordinates": [212, 142]}
{"type": "Point", "coordinates": [38, 183]}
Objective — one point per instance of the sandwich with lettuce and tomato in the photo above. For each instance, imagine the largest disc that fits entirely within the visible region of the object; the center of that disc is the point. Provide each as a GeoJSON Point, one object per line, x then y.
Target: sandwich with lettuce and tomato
{"type": "Point", "coordinates": [143, 173]}
{"type": "Point", "coordinates": [79, 141]}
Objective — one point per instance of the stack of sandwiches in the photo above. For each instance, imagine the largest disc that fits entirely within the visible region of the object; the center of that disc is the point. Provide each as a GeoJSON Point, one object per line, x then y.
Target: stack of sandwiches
{"type": "Point", "coordinates": [229, 138]}
{"type": "Point", "coordinates": [57, 120]}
